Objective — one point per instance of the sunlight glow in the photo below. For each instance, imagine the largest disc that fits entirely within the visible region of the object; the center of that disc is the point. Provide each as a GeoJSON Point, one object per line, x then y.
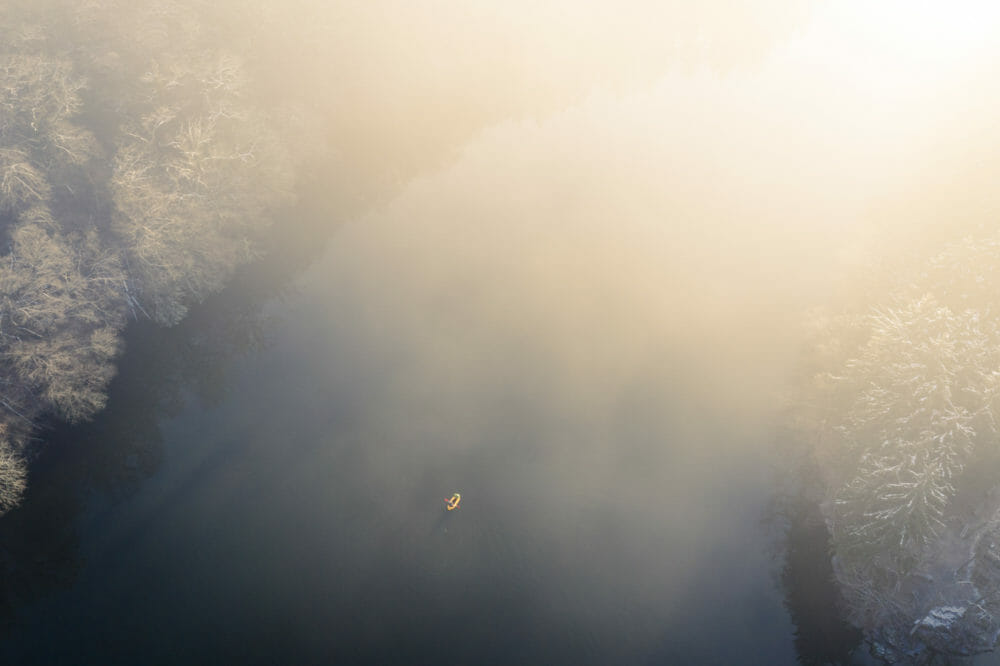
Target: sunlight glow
{"type": "Point", "coordinates": [907, 43]}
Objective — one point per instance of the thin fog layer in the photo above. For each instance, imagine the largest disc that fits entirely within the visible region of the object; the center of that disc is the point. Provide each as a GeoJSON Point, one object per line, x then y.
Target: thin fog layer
{"type": "Point", "coordinates": [583, 262]}
{"type": "Point", "coordinates": [691, 222]}
{"type": "Point", "coordinates": [604, 305]}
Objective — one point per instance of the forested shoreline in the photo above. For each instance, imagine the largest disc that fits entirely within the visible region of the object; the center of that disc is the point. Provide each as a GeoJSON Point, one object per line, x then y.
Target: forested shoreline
{"type": "Point", "coordinates": [149, 150]}
{"type": "Point", "coordinates": [901, 415]}
{"type": "Point", "coordinates": [137, 171]}
{"type": "Point", "coordinates": [147, 147]}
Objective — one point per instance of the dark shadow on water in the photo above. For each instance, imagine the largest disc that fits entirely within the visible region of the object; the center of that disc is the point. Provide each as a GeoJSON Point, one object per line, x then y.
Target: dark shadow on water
{"type": "Point", "coordinates": [440, 526]}
{"type": "Point", "coordinates": [823, 637]}
{"type": "Point", "coordinates": [107, 459]}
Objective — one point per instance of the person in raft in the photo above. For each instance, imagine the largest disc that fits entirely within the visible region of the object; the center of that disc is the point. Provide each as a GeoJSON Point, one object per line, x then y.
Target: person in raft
{"type": "Point", "coordinates": [453, 502]}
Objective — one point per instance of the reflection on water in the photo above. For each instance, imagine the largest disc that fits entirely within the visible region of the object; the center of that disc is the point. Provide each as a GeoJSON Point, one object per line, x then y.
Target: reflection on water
{"type": "Point", "coordinates": [812, 596]}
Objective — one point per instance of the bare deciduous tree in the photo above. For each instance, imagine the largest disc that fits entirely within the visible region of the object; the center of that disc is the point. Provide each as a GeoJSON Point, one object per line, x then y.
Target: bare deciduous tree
{"type": "Point", "coordinates": [13, 474]}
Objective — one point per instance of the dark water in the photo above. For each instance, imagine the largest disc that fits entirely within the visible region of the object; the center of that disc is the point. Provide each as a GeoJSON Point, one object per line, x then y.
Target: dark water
{"type": "Point", "coordinates": [591, 345]}
{"type": "Point", "coordinates": [267, 487]}
{"type": "Point", "coordinates": [267, 483]}
{"type": "Point", "coordinates": [282, 524]}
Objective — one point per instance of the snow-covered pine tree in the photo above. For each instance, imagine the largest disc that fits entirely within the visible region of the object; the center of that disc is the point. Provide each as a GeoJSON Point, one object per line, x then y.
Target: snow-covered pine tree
{"type": "Point", "coordinates": [923, 386]}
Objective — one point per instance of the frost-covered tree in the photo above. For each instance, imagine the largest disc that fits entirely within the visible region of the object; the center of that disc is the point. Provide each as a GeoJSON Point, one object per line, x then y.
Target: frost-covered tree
{"type": "Point", "coordinates": [136, 172]}
{"type": "Point", "coordinates": [195, 176]}
{"type": "Point", "coordinates": [904, 398]}
{"type": "Point", "coordinates": [924, 387]}
{"type": "Point", "coordinates": [40, 138]}
{"type": "Point", "coordinates": [60, 310]}
{"type": "Point", "coordinates": [13, 474]}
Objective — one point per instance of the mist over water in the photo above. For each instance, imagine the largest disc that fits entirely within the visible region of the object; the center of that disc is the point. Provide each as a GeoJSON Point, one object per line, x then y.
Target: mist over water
{"type": "Point", "coordinates": [579, 305]}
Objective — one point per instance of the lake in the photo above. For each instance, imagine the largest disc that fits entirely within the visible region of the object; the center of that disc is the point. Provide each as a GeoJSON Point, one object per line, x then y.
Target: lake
{"type": "Point", "coordinates": [587, 324]}
{"type": "Point", "coordinates": [268, 483]}
{"type": "Point", "coordinates": [282, 502]}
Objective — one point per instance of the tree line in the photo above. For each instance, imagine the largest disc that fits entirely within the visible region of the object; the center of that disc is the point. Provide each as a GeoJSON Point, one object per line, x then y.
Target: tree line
{"type": "Point", "coordinates": [145, 146]}
{"type": "Point", "coordinates": [903, 406]}
{"type": "Point", "coordinates": [137, 171]}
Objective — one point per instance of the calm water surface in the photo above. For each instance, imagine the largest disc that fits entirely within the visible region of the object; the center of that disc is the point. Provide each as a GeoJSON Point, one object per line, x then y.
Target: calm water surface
{"type": "Point", "coordinates": [267, 486]}
{"type": "Point", "coordinates": [282, 501]}
{"type": "Point", "coordinates": [299, 519]}
{"type": "Point", "coordinates": [589, 340]}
